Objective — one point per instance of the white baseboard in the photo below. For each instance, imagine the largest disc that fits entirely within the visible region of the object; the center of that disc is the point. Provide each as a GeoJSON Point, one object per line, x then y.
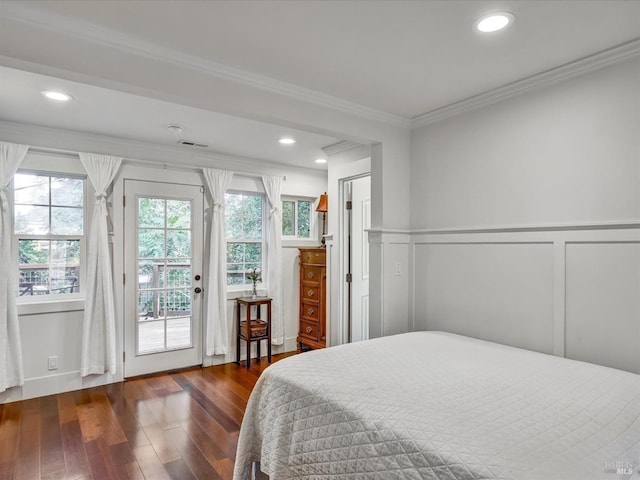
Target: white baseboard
{"type": "Point", "coordinates": [53, 384]}
{"type": "Point", "coordinates": [69, 381]}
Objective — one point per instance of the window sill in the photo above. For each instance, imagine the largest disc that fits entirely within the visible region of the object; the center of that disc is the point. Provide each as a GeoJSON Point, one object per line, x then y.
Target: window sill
{"type": "Point", "coordinates": [51, 306]}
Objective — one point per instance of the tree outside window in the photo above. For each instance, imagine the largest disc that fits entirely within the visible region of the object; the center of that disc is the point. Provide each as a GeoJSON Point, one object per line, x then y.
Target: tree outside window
{"type": "Point", "coordinates": [296, 218]}
{"type": "Point", "coordinates": [49, 226]}
{"type": "Point", "coordinates": [244, 233]}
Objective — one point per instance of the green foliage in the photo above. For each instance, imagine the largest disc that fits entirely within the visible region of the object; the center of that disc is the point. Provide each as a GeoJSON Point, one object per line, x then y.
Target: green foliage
{"type": "Point", "coordinates": [178, 214]}
{"type": "Point", "coordinates": [244, 235]}
{"type": "Point", "coordinates": [296, 218]}
{"type": "Point", "coordinates": [304, 218]}
{"type": "Point", "coordinates": [151, 212]}
{"type": "Point", "coordinates": [32, 252]}
{"type": "Point", "coordinates": [288, 218]}
{"type": "Point", "coordinates": [164, 253]}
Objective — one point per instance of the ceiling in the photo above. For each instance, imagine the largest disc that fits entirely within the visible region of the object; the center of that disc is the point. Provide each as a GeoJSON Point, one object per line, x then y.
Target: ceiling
{"type": "Point", "coordinates": [140, 118]}
{"type": "Point", "coordinates": [400, 58]}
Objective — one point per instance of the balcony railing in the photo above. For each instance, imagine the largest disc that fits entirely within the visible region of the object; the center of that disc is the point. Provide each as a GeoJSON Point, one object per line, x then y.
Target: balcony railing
{"type": "Point", "coordinates": [44, 280]}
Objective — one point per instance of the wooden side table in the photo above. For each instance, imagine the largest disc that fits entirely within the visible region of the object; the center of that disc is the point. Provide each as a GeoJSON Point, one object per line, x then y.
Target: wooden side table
{"type": "Point", "coordinates": [253, 329]}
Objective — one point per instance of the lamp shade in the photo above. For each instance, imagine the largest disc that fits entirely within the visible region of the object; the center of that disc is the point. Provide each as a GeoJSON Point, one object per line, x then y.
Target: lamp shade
{"type": "Point", "coordinates": [323, 203]}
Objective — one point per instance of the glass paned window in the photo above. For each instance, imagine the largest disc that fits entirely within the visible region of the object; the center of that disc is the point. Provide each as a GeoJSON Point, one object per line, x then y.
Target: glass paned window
{"type": "Point", "coordinates": [244, 221]}
{"type": "Point", "coordinates": [49, 226]}
{"type": "Point", "coordinates": [296, 218]}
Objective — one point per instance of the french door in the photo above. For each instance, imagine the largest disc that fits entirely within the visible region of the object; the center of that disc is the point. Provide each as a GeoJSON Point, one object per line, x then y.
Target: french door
{"type": "Point", "coordinates": [163, 276]}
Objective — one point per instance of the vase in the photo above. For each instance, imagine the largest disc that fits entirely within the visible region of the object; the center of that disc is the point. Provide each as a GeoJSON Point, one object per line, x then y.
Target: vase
{"type": "Point", "coordinates": [254, 292]}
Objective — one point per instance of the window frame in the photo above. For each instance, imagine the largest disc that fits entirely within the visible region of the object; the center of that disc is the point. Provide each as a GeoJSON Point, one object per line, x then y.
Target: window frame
{"type": "Point", "coordinates": [296, 199]}
{"type": "Point", "coordinates": [235, 288]}
{"type": "Point", "coordinates": [16, 237]}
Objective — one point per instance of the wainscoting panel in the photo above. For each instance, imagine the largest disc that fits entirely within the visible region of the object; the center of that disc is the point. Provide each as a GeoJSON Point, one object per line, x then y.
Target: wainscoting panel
{"type": "Point", "coordinates": [396, 284]}
{"type": "Point", "coordinates": [603, 304]}
{"type": "Point", "coordinates": [496, 291]}
{"type": "Point", "coordinates": [569, 290]}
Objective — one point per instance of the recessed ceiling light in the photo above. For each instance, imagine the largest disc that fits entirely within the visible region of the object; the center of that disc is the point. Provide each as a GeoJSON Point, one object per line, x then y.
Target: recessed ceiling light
{"type": "Point", "coordinates": [287, 141]}
{"type": "Point", "coordinates": [321, 160]}
{"type": "Point", "coordinates": [174, 128]}
{"type": "Point", "coordinates": [57, 96]}
{"type": "Point", "coordinates": [494, 22]}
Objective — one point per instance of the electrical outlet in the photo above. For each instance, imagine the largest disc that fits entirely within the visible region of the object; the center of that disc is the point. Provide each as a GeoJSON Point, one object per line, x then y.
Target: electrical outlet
{"type": "Point", "coordinates": [53, 362]}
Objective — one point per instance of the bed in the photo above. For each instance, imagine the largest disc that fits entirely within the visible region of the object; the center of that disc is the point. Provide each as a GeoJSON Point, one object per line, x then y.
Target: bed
{"type": "Point", "coordinates": [432, 405]}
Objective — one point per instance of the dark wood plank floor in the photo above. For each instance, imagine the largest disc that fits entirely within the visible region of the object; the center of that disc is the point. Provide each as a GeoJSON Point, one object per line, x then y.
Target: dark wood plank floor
{"type": "Point", "coordinates": [172, 426]}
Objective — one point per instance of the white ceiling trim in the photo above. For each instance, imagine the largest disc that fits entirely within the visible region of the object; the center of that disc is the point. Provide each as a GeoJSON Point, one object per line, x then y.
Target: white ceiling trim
{"type": "Point", "coordinates": [70, 141]}
{"type": "Point", "coordinates": [340, 147]}
{"type": "Point", "coordinates": [564, 72]}
{"type": "Point", "coordinates": [90, 32]}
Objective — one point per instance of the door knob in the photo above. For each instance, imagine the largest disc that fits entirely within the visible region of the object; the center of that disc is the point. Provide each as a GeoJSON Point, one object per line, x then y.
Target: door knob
{"type": "Point", "coordinates": [197, 290]}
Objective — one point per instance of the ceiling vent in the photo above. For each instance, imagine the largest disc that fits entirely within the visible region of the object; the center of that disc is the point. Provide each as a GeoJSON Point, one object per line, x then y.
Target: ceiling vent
{"type": "Point", "coordinates": [189, 143]}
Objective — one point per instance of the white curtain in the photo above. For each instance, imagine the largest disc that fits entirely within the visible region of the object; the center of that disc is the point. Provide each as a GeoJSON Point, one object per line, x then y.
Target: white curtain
{"type": "Point", "coordinates": [11, 372]}
{"type": "Point", "coordinates": [274, 257]}
{"type": "Point", "coordinates": [217, 342]}
{"type": "Point", "coordinates": [99, 325]}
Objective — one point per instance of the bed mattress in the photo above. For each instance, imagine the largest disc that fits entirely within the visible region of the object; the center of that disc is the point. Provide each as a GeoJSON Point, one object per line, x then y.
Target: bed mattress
{"type": "Point", "coordinates": [431, 405]}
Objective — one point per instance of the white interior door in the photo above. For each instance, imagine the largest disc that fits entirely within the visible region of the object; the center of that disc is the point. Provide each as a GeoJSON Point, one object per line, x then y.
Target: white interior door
{"type": "Point", "coordinates": [360, 222]}
{"type": "Point", "coordinates": [163, 276]}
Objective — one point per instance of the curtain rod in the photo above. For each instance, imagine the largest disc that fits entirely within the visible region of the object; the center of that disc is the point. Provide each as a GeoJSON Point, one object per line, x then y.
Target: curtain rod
{"type": "Point", "coordinates": [149, 163]}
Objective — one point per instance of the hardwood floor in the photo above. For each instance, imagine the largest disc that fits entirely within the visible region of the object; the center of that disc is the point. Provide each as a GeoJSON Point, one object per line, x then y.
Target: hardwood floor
{"type": "Point", "coordinates": [171, 426]}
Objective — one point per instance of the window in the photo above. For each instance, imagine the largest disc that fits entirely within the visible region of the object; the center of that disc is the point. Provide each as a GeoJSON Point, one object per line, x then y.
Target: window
{"type": "Point", "coordinates": [296, 218]}
{"type": "Point", "coordinates": [244, 226]}
{"type": "Point", "coordinates": [49, 230]}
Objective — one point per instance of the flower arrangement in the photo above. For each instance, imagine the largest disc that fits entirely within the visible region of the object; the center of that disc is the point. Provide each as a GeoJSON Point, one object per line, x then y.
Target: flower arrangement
{"type": "Point", "coordinates": [255, 276]}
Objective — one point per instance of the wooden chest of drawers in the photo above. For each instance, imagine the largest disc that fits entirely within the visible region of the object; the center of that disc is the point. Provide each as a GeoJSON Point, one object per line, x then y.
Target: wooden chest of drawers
{"type": "Point", "coordinates": [313, 298]}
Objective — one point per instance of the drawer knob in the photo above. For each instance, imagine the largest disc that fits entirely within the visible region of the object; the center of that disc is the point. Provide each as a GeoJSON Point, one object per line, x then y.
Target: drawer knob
{"type": "Point", "coordinates": [310, 293]}
{"type": "Point", "coordinates": [311, 275]}
{"type": "Point", "coordinates": [309, 329]}
{"type": "Point", "coordinates": [311, 311]}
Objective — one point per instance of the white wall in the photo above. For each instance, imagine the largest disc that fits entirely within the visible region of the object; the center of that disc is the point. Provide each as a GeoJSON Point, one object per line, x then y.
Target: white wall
{"type": "Point", "coordinates": [564, 154]}
{"type": "Point", "coordinates": [56, 328]}
{"type": "Point", "coordinates": [525, 217]}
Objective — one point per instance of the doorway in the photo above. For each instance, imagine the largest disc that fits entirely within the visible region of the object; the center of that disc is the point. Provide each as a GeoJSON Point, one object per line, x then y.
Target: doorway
{"type": "Point", "coordinates": [357, 219]}
{"type": "Point", "coordinates": [163, 225]}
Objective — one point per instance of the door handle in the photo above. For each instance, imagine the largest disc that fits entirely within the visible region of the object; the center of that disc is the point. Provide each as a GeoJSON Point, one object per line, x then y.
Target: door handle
{"type": "Point", "coordinates": [197, 290]}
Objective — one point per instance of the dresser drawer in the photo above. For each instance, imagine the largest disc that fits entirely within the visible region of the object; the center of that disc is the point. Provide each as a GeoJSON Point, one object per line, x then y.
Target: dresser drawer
{"type": "Point", "coordinates": [257, 329]}
{"type": "Point", "coordinates": [315, 257]}
{"type": "Point", "coordinates": [310, 311]}
{"type": "Point", "coordinates": [309, 330]}
{"type": "Point", "coordinates": [311, 274]}
{"type": "Point", "coordinates": [310, 292]}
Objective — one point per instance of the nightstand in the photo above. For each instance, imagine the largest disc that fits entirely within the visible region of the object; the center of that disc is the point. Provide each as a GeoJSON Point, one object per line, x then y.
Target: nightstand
{"type": "Point", "coordinates": [253, 328]}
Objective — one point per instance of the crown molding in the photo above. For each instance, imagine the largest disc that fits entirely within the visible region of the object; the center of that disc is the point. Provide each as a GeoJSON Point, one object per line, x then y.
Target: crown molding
{"type": "Point", "coordinates": [90, 32]}
{"type": "Point", "coordinates": [165, 156]}
{"type": "Point", "coordinates": [340, 147]}
{"type": "Point", "coordinates": [555, 75]}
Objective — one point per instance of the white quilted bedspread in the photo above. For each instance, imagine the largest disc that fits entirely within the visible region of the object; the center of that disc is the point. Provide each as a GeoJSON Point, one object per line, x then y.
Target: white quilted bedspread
{"type": "Point", "coordinates": [430, 405]}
